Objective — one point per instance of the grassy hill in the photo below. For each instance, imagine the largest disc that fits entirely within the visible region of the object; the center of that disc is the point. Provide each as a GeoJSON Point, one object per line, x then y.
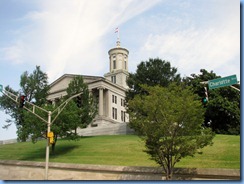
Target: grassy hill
{"type": "Point", "coordinates": [126, 150]}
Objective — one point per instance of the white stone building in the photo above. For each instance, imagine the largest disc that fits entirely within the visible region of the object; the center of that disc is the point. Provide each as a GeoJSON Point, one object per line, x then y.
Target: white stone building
{"type": "Point", "coordinates": [110, 92]}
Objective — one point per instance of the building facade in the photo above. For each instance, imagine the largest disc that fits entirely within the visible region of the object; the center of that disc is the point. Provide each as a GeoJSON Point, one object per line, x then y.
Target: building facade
{"type": "Point", "coordinates": [109, 91]}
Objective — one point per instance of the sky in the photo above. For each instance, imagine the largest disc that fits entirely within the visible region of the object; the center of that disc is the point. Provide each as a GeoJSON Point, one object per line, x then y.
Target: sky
{"type": "Point", "coordinates": [74, 36]}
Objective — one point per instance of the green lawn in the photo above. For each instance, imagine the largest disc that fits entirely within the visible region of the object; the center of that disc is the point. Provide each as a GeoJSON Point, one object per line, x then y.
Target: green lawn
{"type": "Point", "coordinates": [125, 150]}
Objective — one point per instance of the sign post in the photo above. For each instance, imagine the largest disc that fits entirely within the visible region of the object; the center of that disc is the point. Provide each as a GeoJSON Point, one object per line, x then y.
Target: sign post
{"type": "Point", "coordinates": [222, 82]}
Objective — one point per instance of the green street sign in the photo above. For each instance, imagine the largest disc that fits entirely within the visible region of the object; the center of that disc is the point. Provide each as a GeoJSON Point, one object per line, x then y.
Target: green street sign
{"type": "Point", "coordinates": [222, 82]}
{"type": "Point", "coordinates": [1, 87]}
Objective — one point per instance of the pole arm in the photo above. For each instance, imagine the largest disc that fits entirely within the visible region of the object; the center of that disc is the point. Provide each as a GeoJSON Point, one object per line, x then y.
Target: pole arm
{"type": "Point", "coordinates": [63, 105]}
{"type": "Point", "coordinates": [204, 82]}
{"type": "Point", "coordinates": [10, 95]}
{"type": "Point", "coordinates": [15, 99]}
{"type": "Point", "coordinates": [33, 112]}
{"type": "Point", "coordinates": [59, 108]}
{"type": "Point", "coordinates": [235, 88]}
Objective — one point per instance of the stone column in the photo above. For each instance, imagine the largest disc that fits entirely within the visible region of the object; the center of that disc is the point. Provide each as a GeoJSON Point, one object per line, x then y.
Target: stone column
{"type": "Point", "coordinates": [100, 109]}
{"type": "Point", "coordinates": [109, 106]}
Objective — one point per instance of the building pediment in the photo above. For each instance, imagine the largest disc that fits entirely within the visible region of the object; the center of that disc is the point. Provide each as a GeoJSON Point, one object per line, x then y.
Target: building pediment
{"type": "Point", "coordinates": [59, 86]}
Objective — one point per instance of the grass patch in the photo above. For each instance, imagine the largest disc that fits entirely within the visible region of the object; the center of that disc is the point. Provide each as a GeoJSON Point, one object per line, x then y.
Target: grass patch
{"type": "Point", "coordinates": [225, 153]}
{"type": "Point", "coordinates": [126, 150]}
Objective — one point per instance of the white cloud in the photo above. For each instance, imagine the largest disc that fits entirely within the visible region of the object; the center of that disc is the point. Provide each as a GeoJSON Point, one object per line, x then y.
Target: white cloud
{"type": "Point", "coordinates": [70, 36]}
{"type": "Point", "coordinates": [13, 53]}
{"type": "Point", "coordinates": [213, 45]}
{"type": "Point", "coordinates": [66, 36]}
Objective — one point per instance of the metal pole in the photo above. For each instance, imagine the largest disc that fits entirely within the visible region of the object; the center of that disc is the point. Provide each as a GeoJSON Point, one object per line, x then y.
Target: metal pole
{"type": "Point", "coordinates": [47, 147]}
{"type": "Point", "coordinates": [10, 95]}
{"type": "Point", "coordinates": [235, 88]}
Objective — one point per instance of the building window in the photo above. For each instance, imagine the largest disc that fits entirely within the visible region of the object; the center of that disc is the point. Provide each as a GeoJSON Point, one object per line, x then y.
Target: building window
{"type": "Point", "coordinates": [114, 99]}
{"type": "Point", "coordinates": [123, 116]}
{"type": "Point", "coordinates": [114, 113]}
{"type": "Point", "coordinates": [122, 102]}
{"type": "Point", "coordinates": [114, 64]}
{"type": "Point", "coordinates": [113, 79]}
{"type": "Point", "coordinates": [125, 65]}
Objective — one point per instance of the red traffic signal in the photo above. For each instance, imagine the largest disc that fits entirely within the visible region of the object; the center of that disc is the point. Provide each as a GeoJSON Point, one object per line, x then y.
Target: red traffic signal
{"type": "Point", "coordinates": [22, 101]}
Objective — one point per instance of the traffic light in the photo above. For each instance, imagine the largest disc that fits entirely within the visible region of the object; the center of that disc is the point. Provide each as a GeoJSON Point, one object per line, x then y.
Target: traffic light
{"type": "Point", "coordinates": [22, 101]}
{"type": "Point", "coordinates": [50, 135]}
{"type": "Point", "coordinates": [205, 98]}
{"type": "Point", "coordinates": [79, 101]}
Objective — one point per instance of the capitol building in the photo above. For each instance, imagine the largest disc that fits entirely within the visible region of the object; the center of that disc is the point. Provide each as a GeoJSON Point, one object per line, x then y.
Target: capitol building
{"type": "Point", "coordinates": [109, 90]}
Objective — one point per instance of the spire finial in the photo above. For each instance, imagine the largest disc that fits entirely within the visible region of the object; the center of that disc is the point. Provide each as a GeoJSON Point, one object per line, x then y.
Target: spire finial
{"type": "Point", "coordinates": [118, 40]}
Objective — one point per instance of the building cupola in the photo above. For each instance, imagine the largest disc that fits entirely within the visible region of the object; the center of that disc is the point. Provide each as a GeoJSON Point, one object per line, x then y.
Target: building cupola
{"type": "Point", "coordinates": [118, 65]}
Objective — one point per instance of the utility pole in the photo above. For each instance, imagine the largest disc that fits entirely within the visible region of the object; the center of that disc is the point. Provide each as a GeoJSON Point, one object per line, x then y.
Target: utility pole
{"type": "Point", "coordinates": [47, 147]}
{"type": "Point", "coordinates": [49, 120]}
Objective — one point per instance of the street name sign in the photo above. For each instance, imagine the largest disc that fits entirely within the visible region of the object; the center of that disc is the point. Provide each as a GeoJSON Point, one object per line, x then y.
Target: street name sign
{"type": "Point", "coordinates": [222, 82]}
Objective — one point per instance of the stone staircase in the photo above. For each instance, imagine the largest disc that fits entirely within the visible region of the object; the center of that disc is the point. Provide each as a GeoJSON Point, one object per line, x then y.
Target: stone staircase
{"type": "Point", "coordinates": [111, 129]}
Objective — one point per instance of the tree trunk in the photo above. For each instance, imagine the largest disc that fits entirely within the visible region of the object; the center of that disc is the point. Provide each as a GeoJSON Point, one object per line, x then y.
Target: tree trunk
{"type": "Point", "coordinates": [53, 147]}
{"type": "Point", "coordinates": [169, 175]}
{"type": "Point", "coordinates": [55, 141]}
{"type": "Point", "coordinates": [169, 170]}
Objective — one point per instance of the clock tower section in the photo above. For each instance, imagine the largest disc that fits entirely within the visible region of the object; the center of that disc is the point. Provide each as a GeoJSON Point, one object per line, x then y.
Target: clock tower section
{"type": "Point", "coordinates": [118, 59]}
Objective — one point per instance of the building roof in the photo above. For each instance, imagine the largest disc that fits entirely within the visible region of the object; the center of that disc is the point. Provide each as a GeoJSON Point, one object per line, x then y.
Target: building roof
{"type": "Point", "coordinates": [92, 78]}
{"type": "Point", "coordinates": [60, 85]}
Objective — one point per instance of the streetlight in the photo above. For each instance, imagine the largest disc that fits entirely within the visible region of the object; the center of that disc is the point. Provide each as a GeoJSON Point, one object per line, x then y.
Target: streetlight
{"type": "Point", "coordinates": [49, 122]}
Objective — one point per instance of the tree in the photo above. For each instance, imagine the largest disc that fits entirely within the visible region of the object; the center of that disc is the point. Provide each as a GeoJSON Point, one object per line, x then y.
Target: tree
{"type": "Point", "coordinates": [223, 108]}
{"type": "Point", "coordinates": [34, 86]}
{"type": "Point", "coordinates": [85, 102]}
{"type": "Point", "coordinates": [62, 127]}
{"type": "Point", "coordinates": [169, 120]}
{"type": "Point", "coordinates": [152, 72]}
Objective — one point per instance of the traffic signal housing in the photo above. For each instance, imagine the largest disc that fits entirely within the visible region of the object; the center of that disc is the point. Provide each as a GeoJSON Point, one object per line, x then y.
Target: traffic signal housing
{"type": "Point", "coordinates": [205, 98]}
{"type": "Point", "coordinates": [22, 101]}
{"type": "Point", "coordinates": [50, 135]}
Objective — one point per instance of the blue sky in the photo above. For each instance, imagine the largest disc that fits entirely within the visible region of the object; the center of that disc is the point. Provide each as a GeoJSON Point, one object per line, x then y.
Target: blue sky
{"type": "Point", "coordinates": [74, 36]}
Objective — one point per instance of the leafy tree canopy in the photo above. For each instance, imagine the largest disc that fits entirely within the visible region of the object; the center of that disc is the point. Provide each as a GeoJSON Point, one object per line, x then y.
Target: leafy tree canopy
{"type": "Point", "coordinates": [169, 119]}
{"type": "Point", "coordinates": [86, 103]}
{"type": "Point", "coordinates": [34, 86]}
{"type": "Point", "coordinates": [152, 72]}
{"type": "Point", "coordinates": [63, 126]}
{"type": "Point", "coordinates": [223, 108]}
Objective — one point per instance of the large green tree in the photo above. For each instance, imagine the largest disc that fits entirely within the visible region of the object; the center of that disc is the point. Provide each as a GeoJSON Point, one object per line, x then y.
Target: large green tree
{"type": "Point", "coordinates": [63, 126]}
{"type": "Point", "coordinates": [86, 103]}
{"type": "Point", "coordinates": [169, 120]}
{"type": "Point", "coordinates": [223, 107]}
{"type": "Point", "coordinates": [152, 72]}
{"type": "Point", "coordinates": [35, 87]}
